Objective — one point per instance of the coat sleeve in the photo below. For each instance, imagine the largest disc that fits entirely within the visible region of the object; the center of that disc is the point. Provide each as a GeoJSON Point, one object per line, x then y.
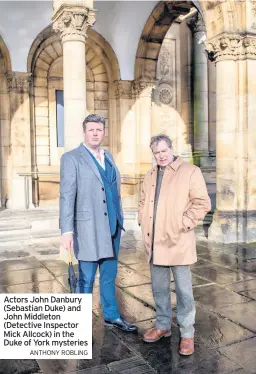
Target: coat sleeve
{"type": "Point", "coordinates": [68, 190]}
{"type": "Point", "coordinates": [141, 201]}
{"type": "Point", "coordinates": [201, 203]}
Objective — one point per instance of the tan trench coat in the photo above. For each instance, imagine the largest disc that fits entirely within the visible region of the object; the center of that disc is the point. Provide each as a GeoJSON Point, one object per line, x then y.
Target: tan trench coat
{"type": "Point", "coordinates": [183, 203]}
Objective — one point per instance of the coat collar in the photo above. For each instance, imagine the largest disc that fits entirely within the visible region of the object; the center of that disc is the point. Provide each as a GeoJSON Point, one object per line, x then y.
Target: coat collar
{"type": "Point", "coordinates": [88, 159]}
{"type": "Point", "coordinates": [174, 165]}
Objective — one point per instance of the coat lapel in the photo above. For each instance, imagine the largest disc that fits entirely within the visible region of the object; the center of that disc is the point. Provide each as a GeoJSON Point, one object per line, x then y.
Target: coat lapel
{"type": "Point", "coordinates": [118, 177]}
{"type": "Point", "coordinates": [88, 159]}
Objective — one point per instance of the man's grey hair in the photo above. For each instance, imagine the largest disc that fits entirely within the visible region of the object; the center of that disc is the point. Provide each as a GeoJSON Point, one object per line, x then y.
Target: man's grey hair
{"type": "Point", "coordinates": [93, 118]}
{"type": "Point", "coordinates": [158, 138]}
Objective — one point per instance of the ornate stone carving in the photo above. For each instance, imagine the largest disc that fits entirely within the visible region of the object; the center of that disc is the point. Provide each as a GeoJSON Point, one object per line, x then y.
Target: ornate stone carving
{"type": "Point", "coordinates": [73, 22]}
{"type": "Point", "coordinates": [18, 82]}
{"type": "Point", "coordinates": [165, 95]}
{"type": "Point", "coordinates": [165, 67]}
{"type": "Point", "coordinates": [253, 2]}
{"type": "Point", "coordinates": [196, 23]}
{"type": "Point", "coordinates": [231, 46]}
{"type": "Point", "coordinates": [143, 88]}
{"type": "Point", "coordinates": [123, 90]}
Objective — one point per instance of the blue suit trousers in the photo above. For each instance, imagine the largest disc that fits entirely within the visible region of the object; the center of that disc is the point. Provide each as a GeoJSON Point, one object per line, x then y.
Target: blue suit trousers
{"type": "Point", "coordinates": [108, 272]}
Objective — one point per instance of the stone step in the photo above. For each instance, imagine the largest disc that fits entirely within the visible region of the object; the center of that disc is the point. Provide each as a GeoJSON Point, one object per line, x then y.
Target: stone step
{"type": "Point", "coordinates": [27, 225]}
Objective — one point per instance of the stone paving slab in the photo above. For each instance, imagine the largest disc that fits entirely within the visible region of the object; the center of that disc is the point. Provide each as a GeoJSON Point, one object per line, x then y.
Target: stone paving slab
{"type": "Point", "coordinates": [244, 314]}
{"type": "Point", "coordinates": [143, 269]}
{"type": "Point", "coordinates": [215, 331]}
{"type": "Point", "coordinates": [25, 276]}
{"type": "Point", "coordinates": [19, 367]}
{"type": "Point", "coordinates": [132, 257]}
{"type": "Point", "coordinates": [163, 356]}
{"type": "Point", "coordinates": [20, 264]}
{"type": "Point", "coordinates": [102, 369]}
{"type": "Point", "coordinates": [57, 267]}
{"type": "Point", "coordinates": [220, 275]}
{"type": "Point", "coordinates": [220, 258]}
{"type": "Point", "coordinates": [251, 294]}
{"type": "Point", "coordinates": [128, 277]}
{"type": "Point", "coordinates": [129, 307]}
{"type": "Point", "coordinates": [243, 286]}
{"type": "Point", "coordinates": [13, 254]}
{"type": "Point", "coordinates": [131, 366]}
{"type": "Point", "coordinates": [249, 267]}
{"type": "Point", "coordinates": [214, 297]}
{"type": "Point", "coordinates": [38, 287]}
{"type": "Point", "coordinates": [243, 354]}
{"type": "Point", "coordinates": [144, 293]}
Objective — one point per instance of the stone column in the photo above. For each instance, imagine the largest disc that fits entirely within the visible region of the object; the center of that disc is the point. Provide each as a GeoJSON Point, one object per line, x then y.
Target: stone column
{"type": "Point", "coordinates": [123, 139]}
{"type": "Point", "coordinates": [125, 136]}
{"type": "Point", "coordinates": [143, 101]}
{"type": "Point", "coordinates": [73, 23]}
{"type": "Point", "coordinates": [20, 192]}
{"type": "Point", "coordinates": [235, 219]}
{"type": "Point", "coordinates": [200, 88]}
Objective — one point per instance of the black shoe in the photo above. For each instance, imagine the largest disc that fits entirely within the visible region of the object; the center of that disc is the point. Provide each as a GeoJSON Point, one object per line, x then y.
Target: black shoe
{"type": "Point", "coordinates": [122, 324]}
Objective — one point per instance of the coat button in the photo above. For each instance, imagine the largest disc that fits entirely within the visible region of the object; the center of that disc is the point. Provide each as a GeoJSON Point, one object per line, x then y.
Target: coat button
{"type": "Point", "coordinates": [104, 201]}
{"type": "Point", "coordinates": [102, 189]}
{"type": "Point", "coordinates": [148, 233]}
{"type": "Point", "coordinates": [105, 214]}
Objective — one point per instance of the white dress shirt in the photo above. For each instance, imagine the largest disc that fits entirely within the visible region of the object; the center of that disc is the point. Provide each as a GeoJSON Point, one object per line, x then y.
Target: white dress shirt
{"type": "Point", "coordinates": [95, 153]}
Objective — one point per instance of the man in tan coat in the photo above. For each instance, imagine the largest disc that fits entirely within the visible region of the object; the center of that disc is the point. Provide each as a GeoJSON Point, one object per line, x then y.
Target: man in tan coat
{"type": "Point", "coordinates": [173, 201]}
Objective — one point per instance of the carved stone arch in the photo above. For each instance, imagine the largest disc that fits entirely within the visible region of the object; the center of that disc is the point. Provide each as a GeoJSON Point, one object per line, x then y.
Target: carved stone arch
{"type": "Point", "coordinates": [153, 35]}
{"type": "Point", "coordinates": [56, 68]}
{"type": "Point", "coordinates": [105, 52]}
{"type": "Point", "coordinates": [218, 15]}
{"type": "Point", "coordinates": [6, 55]}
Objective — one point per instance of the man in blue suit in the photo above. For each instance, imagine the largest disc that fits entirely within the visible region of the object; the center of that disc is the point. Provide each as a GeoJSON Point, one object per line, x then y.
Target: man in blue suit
{"type": "Point", "coordinates": [91, 217]}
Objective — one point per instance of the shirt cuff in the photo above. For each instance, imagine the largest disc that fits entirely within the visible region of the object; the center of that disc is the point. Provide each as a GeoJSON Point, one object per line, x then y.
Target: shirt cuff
{"type": "Point", "coordinates": [68, 232]}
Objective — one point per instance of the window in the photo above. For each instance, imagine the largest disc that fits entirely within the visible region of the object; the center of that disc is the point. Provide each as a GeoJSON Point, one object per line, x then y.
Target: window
{"type": "Point", "coordinates": [60, 118]}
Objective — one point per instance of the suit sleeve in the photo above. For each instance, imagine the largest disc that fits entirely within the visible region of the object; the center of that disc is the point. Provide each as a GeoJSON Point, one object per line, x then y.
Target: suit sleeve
{"type": "Point", "coordinates": [141, 202]}
{"type": "Point", "coordinates": [68, 189]}
{"type": "Point", "coordinates": [201, 203]}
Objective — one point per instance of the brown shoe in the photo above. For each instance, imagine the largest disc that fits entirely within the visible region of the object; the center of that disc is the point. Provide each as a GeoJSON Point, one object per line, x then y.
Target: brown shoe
{"type": "Point", "coordinates": [153, 335]}
{"type": "Point", "coordinates": [186, 346]}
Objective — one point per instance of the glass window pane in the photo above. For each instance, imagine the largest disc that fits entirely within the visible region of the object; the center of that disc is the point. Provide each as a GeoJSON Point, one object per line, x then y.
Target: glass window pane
{"type": "Point", "coordinates": [60, 118]}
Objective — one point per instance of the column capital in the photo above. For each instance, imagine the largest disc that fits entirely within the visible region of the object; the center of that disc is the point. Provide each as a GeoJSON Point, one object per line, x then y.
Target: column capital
{"type": "Point", "coordinates": [73, 22]}
{"type": "Point", "coordinates": [123, 89]}
{"type": "Point", "coordinates": [231, 47]}
{"type": "Point", "coordinates": [18, 82]}
{"type": "Point", "coordinates": [196, 23]}
{"type": "Point", "coordinates": [143, 87]}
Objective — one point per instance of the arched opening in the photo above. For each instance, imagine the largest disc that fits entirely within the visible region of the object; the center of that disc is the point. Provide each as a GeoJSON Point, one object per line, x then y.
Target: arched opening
{"type": "Point", "coordinates": [171, 54]}
{"type": "Point", "coordinates": [45, 62]}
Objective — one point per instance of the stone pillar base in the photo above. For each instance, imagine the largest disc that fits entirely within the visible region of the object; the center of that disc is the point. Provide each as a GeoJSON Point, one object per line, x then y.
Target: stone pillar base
{"type": "Point", "coordinates": [233, 227]}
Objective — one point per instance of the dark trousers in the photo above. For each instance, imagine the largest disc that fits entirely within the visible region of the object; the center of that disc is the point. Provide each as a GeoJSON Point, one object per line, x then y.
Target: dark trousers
{"type": "Point", "coordinates": [108, 272]}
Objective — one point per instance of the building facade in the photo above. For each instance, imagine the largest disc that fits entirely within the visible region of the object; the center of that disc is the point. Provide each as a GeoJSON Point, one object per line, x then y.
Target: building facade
{"type": "Point", "coordinates": [184, 68]}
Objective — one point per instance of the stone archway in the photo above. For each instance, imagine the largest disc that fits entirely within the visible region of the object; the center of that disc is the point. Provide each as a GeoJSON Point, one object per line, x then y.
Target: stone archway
{"type": "Point", "coordinates": [230, 42]}
{"type": "Point", "coordinates": [45, 62]}
{"type": "Point", "coordinates": [5, 131]}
